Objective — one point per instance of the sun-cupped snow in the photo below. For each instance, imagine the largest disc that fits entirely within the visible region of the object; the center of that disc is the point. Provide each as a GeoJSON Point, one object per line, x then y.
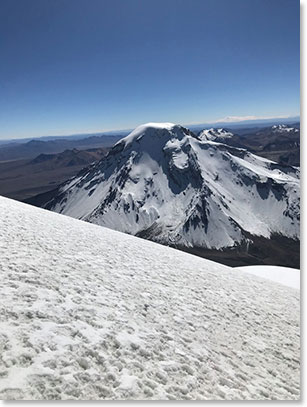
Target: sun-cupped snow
{"type": "Point", "coordinates": [215, 135]}
{"type": "Point", "coordinates": [283, 275]}
{"type": "Point", "coordinates": [164, 183]}
{"type": "Point", "coordinates": [90, 313]}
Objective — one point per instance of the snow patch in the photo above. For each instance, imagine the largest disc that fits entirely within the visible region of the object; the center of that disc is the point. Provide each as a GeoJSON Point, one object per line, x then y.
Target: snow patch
{"type": "Point", "coordinates": [284, 275]}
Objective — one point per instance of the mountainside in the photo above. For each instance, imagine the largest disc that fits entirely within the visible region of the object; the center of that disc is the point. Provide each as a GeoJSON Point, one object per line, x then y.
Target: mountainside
{"type": "Point", "coordinates": [165, 184]}
{"type": "Point", "coordinates": [23, 179]}
{"type": "Point", "coordinates": [90, 313]}
{"type": "Point", "coordinates": [279, 143]}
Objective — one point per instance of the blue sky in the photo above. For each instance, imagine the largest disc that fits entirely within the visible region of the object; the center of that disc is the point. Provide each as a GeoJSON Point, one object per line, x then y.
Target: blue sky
{"type": "Point", "coordinates": [74, 66]}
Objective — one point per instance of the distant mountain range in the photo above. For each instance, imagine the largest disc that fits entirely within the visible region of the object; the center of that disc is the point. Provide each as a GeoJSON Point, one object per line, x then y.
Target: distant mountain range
{"type": "Point", "coordinates": [280, 143]}
{"type": "Point", "coordinates": [194, 192]}
{"type": "Point", "coordinates": [121, 133]}
{"type": "Point", "coordinates": [30, 149]}
{"type": "Point", "coordinates": [246, 124]}
{"type": "Point", "coordinates": [23, 179]}
{"type": "Point", "coordinates": [229, 123]}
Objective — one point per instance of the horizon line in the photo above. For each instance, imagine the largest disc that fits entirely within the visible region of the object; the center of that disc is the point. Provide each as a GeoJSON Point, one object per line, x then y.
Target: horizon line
{"type": "Point", "coordinates": [227, 120]}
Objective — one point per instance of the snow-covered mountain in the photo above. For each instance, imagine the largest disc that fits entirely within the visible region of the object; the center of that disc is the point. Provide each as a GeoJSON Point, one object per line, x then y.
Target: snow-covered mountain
{"type": "Point", "coordinates": [284, 128]}
{"type": "Point", "coordinates": [219, 135]}
{"type": "Point", "coordinates": [164, 183]}
{"type": "Point", "coordinates": [90, 313]}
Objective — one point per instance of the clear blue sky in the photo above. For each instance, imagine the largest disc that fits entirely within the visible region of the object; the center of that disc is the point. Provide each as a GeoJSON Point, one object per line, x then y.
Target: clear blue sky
{"type": "Point", "coordinates": [73, 66]}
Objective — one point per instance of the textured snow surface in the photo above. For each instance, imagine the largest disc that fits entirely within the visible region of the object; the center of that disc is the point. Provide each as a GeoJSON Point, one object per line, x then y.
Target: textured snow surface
{"type": "Point", "coordinates": [283, 275]}
{"type": "Point", "coordinates": [90, 313]}
{"type": "Point", "coordinates": [164, 183]}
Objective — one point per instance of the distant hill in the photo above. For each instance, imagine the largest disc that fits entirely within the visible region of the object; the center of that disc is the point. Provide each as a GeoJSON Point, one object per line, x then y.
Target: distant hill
{"type": "Point", "coordinates": [69, 137]}
{"type": "Point", "coordinates": [32, 148]}
{"type": "Point", "coordinates": [22, 179]}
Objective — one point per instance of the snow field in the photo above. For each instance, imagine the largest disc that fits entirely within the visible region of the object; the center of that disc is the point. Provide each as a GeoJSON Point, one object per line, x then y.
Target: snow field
{"type": "Point", "coordinates": [90, 313]}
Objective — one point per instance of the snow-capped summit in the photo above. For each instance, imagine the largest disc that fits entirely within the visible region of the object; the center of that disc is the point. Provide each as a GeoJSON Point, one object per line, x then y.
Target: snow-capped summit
{"type": "Point", "coordinates": [212, 134]}
{"type": "Point", "coordinates": [149, 130]}
{"type": "Point", "coordinates": [164, 183]}
{"type": "Point", "coordinates": [152, 135]}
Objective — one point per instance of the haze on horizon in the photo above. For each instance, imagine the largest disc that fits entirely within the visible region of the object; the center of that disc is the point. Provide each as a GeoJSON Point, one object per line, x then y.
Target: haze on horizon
{"type": "Point", "coordinates": [75, 66]}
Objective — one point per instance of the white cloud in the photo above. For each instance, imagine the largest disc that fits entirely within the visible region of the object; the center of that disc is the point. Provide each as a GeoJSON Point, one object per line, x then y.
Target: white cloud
{"type": "Point", "coordinates": [243, 118]}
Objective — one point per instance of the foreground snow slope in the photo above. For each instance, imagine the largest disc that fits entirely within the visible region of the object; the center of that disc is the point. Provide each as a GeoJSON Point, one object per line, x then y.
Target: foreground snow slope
{"type": "Point", "coordinates": [90, 313]}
